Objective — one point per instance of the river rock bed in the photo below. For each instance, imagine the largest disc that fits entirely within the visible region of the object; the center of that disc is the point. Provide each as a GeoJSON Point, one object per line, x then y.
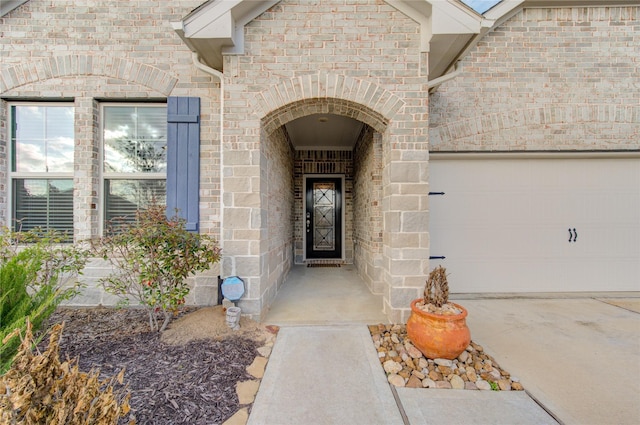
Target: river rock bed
{"type": "Point", "coordinates": [406, 366]}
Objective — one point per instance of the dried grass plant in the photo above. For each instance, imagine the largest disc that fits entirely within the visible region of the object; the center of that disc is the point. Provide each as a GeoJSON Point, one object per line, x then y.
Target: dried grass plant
{"type": "Point", "coordinates": [39, 389]}
{"type": "Point", "coordinates": [436, 291]}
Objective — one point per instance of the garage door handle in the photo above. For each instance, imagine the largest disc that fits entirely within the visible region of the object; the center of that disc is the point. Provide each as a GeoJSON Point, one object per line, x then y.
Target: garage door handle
{"type": "Point", "coordinates": [437, 258]}
{"type": "Point", "coordinates": [573, 235]}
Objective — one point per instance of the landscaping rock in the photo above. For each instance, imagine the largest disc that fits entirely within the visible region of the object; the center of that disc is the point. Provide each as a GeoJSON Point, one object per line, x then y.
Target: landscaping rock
{"type": "Point", "coordinates": [428, 383]}
{"type": "Point", "coordinates": [462, 358]}
{"type": "Point", "coordinates": [456, 382]}
{"type": "Point", "coordinates": [396, 380]}
{"type": "Point", "coordinates": [256, 369]}
{"type": "Point", "coordinates": [391, 366]}
{"type": "Point", "coordinates": [403, 362]}
{"type": "Point", "coordinates": [246, 391]}
{"type": "Point", "coordinates": [414, 382]}
{"type": "Point", "coordinates": [504, 384]}
{"type": "Point", "coordinates": [483, 385]}
{"type": "Point", "coordinates": [470, 386]}
{"type": "Point", "coordinates": [443, 362]}
{"type": "Point", "coordinates": [443, 385]}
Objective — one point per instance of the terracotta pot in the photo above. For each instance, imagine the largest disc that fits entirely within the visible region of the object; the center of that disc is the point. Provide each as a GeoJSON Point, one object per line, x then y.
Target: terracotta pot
{"type": "Point", "coordinates": [438, 336]}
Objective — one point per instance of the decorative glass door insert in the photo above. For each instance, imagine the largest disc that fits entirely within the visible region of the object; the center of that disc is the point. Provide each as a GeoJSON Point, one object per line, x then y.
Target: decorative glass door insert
{"type": "Point", "coordinates": [324, 210]}
{"type": "Point", "coordinates": [323, 218]}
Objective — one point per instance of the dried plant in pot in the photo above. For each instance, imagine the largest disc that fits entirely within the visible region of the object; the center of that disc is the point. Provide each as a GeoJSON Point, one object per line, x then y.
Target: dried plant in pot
{"type": "Point", "coordinates": [437, 327]}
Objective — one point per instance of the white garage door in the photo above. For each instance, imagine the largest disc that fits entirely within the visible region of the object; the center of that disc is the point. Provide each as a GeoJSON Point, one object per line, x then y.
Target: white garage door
{"type": "Point", "coordinates": [536, 224]}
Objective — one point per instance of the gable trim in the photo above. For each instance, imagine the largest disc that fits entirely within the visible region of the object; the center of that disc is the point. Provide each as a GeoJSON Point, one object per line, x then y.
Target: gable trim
{"type": "Point", "coordinates": [217, 28]}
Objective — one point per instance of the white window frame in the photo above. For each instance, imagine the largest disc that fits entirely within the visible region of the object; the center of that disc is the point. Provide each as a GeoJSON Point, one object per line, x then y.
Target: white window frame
{"type": "Point", "coordinates": [120, 176]}
{"type": "Point", "coordinates": [27, 175]}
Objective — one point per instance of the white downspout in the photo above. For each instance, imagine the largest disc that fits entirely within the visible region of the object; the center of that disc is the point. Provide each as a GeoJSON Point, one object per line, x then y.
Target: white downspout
{"type": "Point", "coordinates": [220, 76]}
{"type": "Point", "coordinates": [443, 79]}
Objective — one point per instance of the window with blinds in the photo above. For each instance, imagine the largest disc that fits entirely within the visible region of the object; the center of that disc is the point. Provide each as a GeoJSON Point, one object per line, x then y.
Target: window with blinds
{"type": "Point", "coordinates": [42, 144]}
{"type": "Point", "coordinates": [134, 161]}
{"type": "Point", "coordinates": [44, 204]}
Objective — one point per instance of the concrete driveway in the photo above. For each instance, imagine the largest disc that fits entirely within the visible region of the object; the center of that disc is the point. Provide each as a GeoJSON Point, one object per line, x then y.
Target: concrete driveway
{"type": "Point", "coordinates": [578, 357]}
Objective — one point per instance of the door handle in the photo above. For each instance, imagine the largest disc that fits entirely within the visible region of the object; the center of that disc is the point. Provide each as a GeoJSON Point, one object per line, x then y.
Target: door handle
{"type": "Point", "coordinates": [573, 235]}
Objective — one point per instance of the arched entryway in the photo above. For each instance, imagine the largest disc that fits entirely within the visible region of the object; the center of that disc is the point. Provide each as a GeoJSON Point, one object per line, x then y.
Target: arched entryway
{"type": "Point", "coordinates": [381, 167]}
{"type": "Point", "coordinates": [323, 169]}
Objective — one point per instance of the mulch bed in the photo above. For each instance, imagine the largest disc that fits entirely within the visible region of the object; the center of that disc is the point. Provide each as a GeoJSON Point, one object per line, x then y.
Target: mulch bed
{"type": "Point", "coordinates": [193, 383]}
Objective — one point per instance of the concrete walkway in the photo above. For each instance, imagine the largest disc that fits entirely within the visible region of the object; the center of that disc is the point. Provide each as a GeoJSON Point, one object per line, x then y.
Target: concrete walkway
{"type": "Point", "coordinates": [324, 375]}
{"type": "Point", "coordinates": [322, 296]}
{"type": "Point", "coordinates": [577, 357]}
{"type": "Point", "coordinates": [330, 375]}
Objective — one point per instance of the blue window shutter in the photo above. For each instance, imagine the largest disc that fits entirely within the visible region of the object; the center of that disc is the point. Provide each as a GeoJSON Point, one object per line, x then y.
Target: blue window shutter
{"type": "Point", "coordinates": [183, 159]}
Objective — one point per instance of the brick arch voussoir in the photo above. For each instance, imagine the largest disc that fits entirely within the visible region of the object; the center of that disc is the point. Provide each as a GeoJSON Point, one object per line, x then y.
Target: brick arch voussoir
{"type": "Point", "coordinates": [531, 117]}
{"type": "Point", "coordinates": [326, 93]}
{"type": "Point", "coordinates": [86, 65]}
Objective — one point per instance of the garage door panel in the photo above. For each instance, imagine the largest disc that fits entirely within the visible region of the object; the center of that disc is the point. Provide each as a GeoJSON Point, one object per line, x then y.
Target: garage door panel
{"type": "Point", "coordinates": [504, 277]}
{"type": "Point", "coordinates": [508, 225]}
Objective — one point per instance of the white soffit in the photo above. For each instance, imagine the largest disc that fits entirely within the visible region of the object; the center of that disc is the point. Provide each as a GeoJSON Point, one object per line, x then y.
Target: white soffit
{"type": "Point", "coordinates": [217, 27]}
{"type": "Point", "coordinates": [447, 27]}
{"type": "Point", "coordinates": [7, 6]}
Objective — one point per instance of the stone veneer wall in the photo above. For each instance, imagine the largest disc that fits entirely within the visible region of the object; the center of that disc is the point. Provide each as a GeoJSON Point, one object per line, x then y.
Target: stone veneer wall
{"type": "Point", "coordinates": [87, 53]}
{"type": "Point", "coordinates": [367, 233]}
{"type": "Point", "coordinates": [359, 58]}
{"type": "Point", "coordinates": [318, 163]}
{"type": "Point", "coordinates": [556, 79]}
{"type": "Point", "coordinates": [278, 154]}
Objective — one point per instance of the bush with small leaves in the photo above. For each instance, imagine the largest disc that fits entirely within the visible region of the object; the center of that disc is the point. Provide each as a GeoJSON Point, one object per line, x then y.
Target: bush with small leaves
{"type": "Point", "coordinates": [151, 259]}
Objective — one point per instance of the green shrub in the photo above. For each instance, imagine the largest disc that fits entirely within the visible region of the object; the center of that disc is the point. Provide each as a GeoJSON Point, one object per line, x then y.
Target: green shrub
{"type": "Point", "coordinates": [151, 259]}
{"type": "Point", "coordinates": [36, 275]}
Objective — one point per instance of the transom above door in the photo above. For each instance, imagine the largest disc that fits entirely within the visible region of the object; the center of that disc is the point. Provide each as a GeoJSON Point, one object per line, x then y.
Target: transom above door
{"type": "Point", "coordinates": [323, 217]}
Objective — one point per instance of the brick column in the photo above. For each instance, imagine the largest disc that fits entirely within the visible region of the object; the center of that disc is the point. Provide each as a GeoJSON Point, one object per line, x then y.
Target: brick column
{"type": "Point", "coordinates": [4, 137]}
{"type": "Point", "coordinates": [86, 176]}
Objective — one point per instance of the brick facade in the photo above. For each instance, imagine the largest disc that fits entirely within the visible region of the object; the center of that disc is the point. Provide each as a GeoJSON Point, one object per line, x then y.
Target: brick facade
{"type": "Point", "coordinates": [89, 53]}
{"type": "Point", "coordinates": [545, 79]}
{"type": "Point", "coordinates": [367, 234]}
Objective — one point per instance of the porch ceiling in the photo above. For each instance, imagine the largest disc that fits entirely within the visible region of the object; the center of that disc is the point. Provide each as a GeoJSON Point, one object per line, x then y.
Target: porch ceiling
{"type": "Point", "coordinates": [324, 132]}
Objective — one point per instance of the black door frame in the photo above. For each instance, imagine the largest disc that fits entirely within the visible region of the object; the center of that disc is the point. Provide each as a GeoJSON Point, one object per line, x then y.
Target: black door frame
{"type": "Point", "coordinates": [341, 238]}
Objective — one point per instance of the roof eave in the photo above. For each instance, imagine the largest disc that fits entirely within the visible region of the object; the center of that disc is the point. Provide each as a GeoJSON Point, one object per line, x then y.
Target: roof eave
{"type": "Point", "coordinates": [7, 6]}
{"type": "Point", "coordinates": [217, 28]}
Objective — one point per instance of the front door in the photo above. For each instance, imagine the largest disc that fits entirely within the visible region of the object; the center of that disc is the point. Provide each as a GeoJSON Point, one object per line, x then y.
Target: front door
{"type": "Point", "coordinates": [323, 217]}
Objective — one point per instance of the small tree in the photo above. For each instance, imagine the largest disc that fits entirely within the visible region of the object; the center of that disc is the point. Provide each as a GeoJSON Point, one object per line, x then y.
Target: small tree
{"type": "Point", "coordinates": [37, 273]}
{"type": "Point", "coordinates": [436, 290]}
{"type": "Point", "coordinates": [151, 259]}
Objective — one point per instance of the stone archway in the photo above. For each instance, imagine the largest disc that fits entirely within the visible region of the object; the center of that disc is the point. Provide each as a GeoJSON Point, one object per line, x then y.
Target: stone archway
{"type": "Point", "coordinates": [285, 170]}
{"type": "Point", "coordinates": [258, 170]}
{"type": "Point", "coordinates": [325, 92]}
{"type": "Point", "coordinates": [361, 169]}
